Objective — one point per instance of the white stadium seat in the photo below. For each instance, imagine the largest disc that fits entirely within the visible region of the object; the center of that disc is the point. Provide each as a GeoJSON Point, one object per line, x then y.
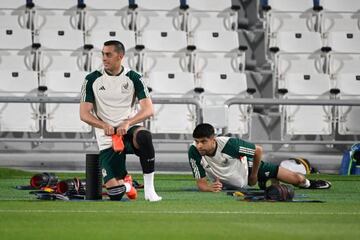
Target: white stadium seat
{"type": "Point", "coordinates": [45, 19]}
{"type": "Point", "coordinates": [63, 60]}
{"type": "Point", "coordinates": [98, 37]}
{"type": "Point", "coordinates": [219, 87]}
{"type": "Point", "coordinates": [16, 60]}
{"type": "Point", "coordinates": [55, 4]}
{"type": "Point", "coordinates": [15, 38]}
{"type": "Point", "coordinates": [12, 4]}
{"type": "Point", "coordinates": [291, 5]}
{"type": "Point", "coordinates": [19, 117]}
{"type": "Point", "coordinates": [108, 5]}
{"type": "Point", "coordinates": [227, 62]}
{"type": "Point", "coordinates": [107, 20]}
{"type": "Point", "coordinates": [172, 118]}
{"type": "Point", "coordinates": [163, 62]}
{"type": "Point", "coordinates": [209, 5]}
{"type": "Point", "coordinates": [340, 6]}
{"type": "Point", "coordinates": [163, 5]}
{"type": "Point", "coordinates": [298, 42]}
{"type": "Point", "coordinates": [61, 39]}
{"type": "Point", "coordinates": [343, 63]}
{"type": "Point", "coordinates": [348, 116]}
{"type": "Point", "coordinates": [157, 20]}
{"type": "Point", "coordinates": [167, 41]}
{"type": "Point", "coordinates": [200, 21]}
{"type": "Point", "coordinates": [344, 42]}
{"type": "Point", "coordinates": [307, 120]}
{"type": "Point", "coordinates": [212, 41]}
{"type": "Point", "coordinates": [64, 117]}
{"type": "Point", "coordinates": [13, 19]}
{"type": "Point", "coordinates": [340, 16]}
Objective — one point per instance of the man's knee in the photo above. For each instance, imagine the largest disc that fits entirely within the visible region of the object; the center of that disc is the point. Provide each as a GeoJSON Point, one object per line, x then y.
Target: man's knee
{"type": "Point", "coordinates": [144, 140]}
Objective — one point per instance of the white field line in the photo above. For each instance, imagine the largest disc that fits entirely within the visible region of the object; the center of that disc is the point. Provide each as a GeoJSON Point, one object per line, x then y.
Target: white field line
{"type": "Point", "coordinates": [30, 211]}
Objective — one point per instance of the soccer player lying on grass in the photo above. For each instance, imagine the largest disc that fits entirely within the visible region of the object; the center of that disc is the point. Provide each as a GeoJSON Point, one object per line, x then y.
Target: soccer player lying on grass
{"type": "Point", "coordinates": [234, 163]}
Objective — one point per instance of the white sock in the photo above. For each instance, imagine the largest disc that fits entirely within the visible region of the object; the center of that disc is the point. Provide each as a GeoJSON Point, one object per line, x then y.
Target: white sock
{"type": "Point", "coordinates": [127, 186]}
{"type": "Point", "coordinates": [306, 184]}
{"type": "Point", "coordinates": [149, 190]}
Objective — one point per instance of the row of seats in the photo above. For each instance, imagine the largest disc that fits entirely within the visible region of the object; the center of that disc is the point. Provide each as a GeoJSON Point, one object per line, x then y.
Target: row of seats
{"type": "Point", "coordinates": [320, 86]}
{"type": "Point", "coordinates": [160, 15]}
{"type": "Point", "coordinates": [165, 5]}
{"type": "Point", "coordinates": [25, 117]}
{"type": "Point", "coordinates": [68, 84]}
{"type": "Point", "coordinates": [308, 15]}
{"type": "Point", "coordinates": [118, 20]}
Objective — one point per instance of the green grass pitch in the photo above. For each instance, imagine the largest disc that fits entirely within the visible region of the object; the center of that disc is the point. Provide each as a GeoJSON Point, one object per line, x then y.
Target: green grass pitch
{"type": "Point", "coordinates": [184, 213]}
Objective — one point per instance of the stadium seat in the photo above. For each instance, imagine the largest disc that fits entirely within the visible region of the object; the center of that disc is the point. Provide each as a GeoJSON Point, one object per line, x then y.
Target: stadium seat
{"type": "Point", "coordinates": [61, 39]}
{"type": "Point", "coordinates": [64, 84]}
{"type": "Point", "coordinates": [12, 4]}
{"type": "Point", "coordinates": [167, 41]}
{"type": "Point", "coordinates": [19, 117]}
{"type": "Point", "coordinates": [212, 41]}
{"type": "Point", "coordinates": [172, 118]}
{"type": "Point", "coordinates": [108, 5]}
{"type": "Point", "coordinates": [98, 37]}
{"type": "Point", "coordinates": [307, 120]}
{"type": "Point", "coordinates": [298, 42]}
{"type": "Point", "coordinates": [348, 116]}
{"type": "Point", "coordinates": [10, 19]}
{"type": "Point", "coordinates": [219, 87]}
{"type": "Point", "coordinates": [16, 60]}
{"type": "Point", "coordinates": [162, 62]}
{"type": "Point", "coordinates": [291, 5]}
{"type": "Point", "coordinates": [55, 4]}
{"type": "Point", "coordinates": [211, 21]}
{"type": "Point", "coordinates": [163, 5]}
{"type": "Point", "coordinates": [209, 5]}
{"type": "Point", "coordinates": [56, 19]}
{"type": "Point", "coordinates": [340, 16]}
{"type": "Point", "coordinates": [15, 39]}
{"type": "Point", "coordinates": [63, 60]}
{"type": "Point", "coordinates": [343, 63]}
{"type": "Point", "coordinates": [130, 60]}
{"type": "Point", "coordinates": [107, 20]}
{"type": "Point", "coordinates": [227, 62]}
{"type": "Point", "coordinates": [350, 6]}
{"type": "Point", "coordinates": [159, 20]}
{"type": "Point", "coordinates": [344, 42]}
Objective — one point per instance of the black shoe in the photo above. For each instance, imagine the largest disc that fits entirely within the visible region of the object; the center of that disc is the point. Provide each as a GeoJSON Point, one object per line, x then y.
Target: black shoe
{"type": "Point", "coordinates": [319, 184]}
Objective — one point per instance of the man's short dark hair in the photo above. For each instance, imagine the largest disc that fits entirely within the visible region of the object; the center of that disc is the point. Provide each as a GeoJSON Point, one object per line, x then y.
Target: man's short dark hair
{"type": "Point", "coordinates": [203, 130]}
{"type": "Point", "coordinates": [119, 47]}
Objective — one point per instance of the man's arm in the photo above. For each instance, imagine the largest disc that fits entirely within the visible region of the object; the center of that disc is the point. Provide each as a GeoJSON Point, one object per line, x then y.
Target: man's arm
{"type": "Point", "coordinates": [256, 164]}
{"type": "Point", "coordinates": [86, 115]}
{"type": "Point", "coordinates": [146, 111]}
{"type": "Point", "coordinates": [204, 186]}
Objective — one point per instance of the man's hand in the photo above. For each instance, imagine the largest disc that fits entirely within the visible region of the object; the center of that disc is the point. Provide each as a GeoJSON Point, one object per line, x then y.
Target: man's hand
{"type": "Point", "coordinates": [108, 130]}
{"type": "Point", "coordinates": [216, 186]}
{"type": "Point", "coordinates": [123, 127]}
{"type": "Point", "coordinates": [252, 180]}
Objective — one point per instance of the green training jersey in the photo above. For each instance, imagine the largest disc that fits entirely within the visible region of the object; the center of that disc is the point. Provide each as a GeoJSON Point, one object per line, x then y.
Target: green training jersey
{"type": "Point", "coordinates": [229, 164]}
{"type": "Point", "coordinates": [114, 98]}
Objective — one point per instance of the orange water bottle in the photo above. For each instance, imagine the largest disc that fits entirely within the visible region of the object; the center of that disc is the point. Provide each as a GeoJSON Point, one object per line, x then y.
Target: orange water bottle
{"type": "Point", "coordinates": [117, 143]}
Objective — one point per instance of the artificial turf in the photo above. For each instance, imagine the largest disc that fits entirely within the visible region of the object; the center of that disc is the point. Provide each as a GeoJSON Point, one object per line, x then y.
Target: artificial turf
{"type": "Point", "coordinates": [184, 213]}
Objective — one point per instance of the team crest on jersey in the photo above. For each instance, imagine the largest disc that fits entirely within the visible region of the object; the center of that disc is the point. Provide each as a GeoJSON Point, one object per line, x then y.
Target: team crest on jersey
{"type": "Point", "coordinates": [125, 87]}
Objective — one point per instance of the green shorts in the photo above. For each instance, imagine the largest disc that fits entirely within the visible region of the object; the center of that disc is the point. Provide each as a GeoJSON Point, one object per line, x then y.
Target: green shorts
{"type": "Point", "coordinates": [112, 163]}
{"type": "Point", "coordinates": [266, 171]}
